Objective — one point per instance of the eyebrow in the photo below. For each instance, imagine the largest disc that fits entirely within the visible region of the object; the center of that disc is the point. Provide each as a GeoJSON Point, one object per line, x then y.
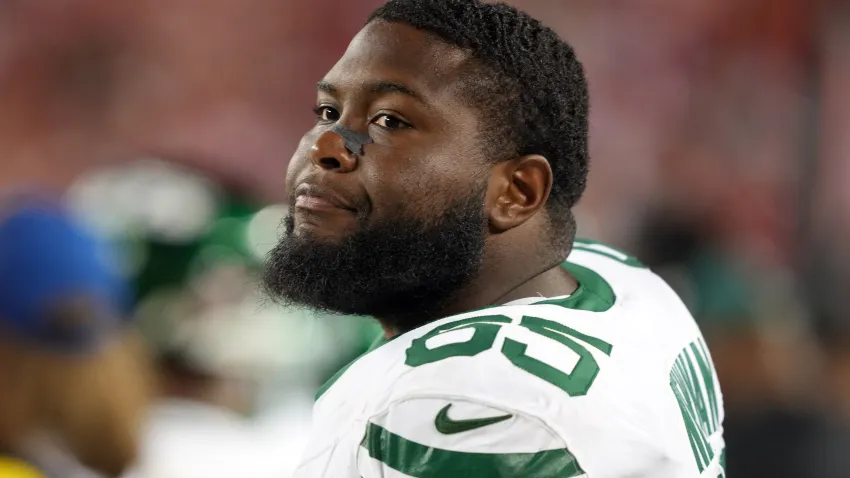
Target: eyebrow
{"type": "Point", "coordinates": [383, 87]}
{"type": "Point", "coordinates": [326, 87]}
{"type": "Point", "coordinates": [377, 88]}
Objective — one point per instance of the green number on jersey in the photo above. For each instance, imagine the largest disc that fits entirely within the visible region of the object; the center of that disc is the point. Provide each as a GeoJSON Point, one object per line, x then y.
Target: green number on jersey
{"type": "Point", "coordinates": [693, 384]}
{"type": "Point", "coordinates": [574, 383]}
{"type": "Point", "coordinates": [484, 333]}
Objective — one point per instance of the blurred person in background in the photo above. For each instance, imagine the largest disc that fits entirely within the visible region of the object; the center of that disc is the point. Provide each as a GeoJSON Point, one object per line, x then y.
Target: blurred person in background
{"type": "Point", "coordinates": [237, 375]}
{"type": "Point", "coordinates": [74, 378]}
{"type": "Point", "coordinates": [212, 360]}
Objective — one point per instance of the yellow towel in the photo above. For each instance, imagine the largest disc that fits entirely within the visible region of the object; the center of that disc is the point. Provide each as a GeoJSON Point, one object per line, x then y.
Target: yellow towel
{"type": "Point", "coordinates": [14, 468]}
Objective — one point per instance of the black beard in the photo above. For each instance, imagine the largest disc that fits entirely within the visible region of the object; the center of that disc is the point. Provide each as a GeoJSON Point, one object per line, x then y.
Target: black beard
{"type": "Point", "coordinates": [402, 271]}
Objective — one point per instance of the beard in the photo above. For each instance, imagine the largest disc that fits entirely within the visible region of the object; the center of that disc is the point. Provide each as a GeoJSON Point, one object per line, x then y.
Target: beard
{"type": "Point", "coordinates": [403, 270]}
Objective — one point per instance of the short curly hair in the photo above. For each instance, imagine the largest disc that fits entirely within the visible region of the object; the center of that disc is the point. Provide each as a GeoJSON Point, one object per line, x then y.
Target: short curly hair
{"type": "Point", "coordinates": [528, 79]}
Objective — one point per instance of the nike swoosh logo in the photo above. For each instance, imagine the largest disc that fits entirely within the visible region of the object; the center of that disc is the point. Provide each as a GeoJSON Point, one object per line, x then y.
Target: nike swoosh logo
{"type": "Point", "coordinates": [447, 426]}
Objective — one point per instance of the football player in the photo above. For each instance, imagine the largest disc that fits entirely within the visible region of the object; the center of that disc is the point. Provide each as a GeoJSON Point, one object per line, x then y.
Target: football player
{"type": "Point", "coordinates": [434, 193]}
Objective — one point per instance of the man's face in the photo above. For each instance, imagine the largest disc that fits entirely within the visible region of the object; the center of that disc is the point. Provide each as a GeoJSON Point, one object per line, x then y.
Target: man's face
{"type": "Point", "coordinates": [397, 230]}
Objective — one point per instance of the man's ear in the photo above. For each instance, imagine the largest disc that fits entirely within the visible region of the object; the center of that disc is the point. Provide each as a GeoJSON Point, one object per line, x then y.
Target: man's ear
{"type": "Point", "coordinates": [518, 189]}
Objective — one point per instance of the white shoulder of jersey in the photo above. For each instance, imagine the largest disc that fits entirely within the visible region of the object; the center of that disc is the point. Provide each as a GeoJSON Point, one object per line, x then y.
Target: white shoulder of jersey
{"type": "Point", "coordinates": [441, 437]}
{"type": "Point", "coordinates": [516, 392]}
{"type": "Point", "coordinates": [557, 387]}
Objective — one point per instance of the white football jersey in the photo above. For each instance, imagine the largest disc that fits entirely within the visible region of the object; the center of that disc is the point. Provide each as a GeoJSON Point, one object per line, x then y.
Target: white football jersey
{"type": "Point", "coordinates": [614, 380]}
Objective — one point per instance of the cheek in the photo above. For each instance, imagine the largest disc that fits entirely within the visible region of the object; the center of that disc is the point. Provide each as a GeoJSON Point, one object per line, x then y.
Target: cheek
{"type": "Point", "coordinates": [300, 160]}
{"type": "Point", "coordinates": [417, 189]}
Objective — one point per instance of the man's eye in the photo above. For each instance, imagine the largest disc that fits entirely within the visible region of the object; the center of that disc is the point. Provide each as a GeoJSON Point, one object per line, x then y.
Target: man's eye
{"type": "Point", "coordinates": [390, 122]}
{"type": "Point", "coordinates": [326, 113]}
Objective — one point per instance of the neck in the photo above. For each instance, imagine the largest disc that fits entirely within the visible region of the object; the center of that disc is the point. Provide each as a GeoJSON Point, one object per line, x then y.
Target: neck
{"type": "Point", "coordinates": [554, 281]}
{"type": "Point", "coordinates": [500, 285]}
{"type": "Point", "coordinates": [501, 281]}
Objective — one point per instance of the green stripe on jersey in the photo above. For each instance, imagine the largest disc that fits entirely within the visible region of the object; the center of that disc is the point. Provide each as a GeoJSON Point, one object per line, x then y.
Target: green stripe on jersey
{"type": "Point", "coordinates": [420, 461]}
{"type": "Point", "coordinates": [593, 294]}
{"type": "Point", "coordinates": [608, 251]}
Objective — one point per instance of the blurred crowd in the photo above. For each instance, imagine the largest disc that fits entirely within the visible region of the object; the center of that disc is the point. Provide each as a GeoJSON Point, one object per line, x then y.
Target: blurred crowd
{"type": "Point", "coordinates": [718, 158]}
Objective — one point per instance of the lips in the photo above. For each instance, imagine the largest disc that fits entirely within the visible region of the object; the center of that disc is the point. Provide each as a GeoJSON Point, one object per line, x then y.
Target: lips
{"type": "Point", "coordinates": [313, 197]}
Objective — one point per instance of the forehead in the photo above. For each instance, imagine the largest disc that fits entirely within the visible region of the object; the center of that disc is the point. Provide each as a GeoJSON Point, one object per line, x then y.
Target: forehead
{"type": "Point", "coordinates": [395, 52]}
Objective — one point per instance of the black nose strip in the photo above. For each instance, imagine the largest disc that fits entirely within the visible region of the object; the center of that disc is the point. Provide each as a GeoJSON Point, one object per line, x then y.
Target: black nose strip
{"type": "Point", "coordinates": [354, 140]}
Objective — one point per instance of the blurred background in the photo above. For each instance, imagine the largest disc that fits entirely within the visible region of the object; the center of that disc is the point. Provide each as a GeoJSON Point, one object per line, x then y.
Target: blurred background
{"type": "Point", "coordinates": [718, 157]}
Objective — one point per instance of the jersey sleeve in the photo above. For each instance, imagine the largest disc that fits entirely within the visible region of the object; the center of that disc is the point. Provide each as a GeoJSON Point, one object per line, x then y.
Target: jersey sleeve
{"type": "Point", "coordinates": [426, 437]}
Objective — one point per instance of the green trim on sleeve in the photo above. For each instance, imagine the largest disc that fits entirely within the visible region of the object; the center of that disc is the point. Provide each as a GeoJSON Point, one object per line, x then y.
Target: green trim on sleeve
{"type": "Point", "coordinates": [421, 461]}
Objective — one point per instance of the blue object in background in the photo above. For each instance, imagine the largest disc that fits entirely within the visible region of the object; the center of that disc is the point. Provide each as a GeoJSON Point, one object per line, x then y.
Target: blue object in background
{"type": "Point", "coordinates": [48, 261]}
